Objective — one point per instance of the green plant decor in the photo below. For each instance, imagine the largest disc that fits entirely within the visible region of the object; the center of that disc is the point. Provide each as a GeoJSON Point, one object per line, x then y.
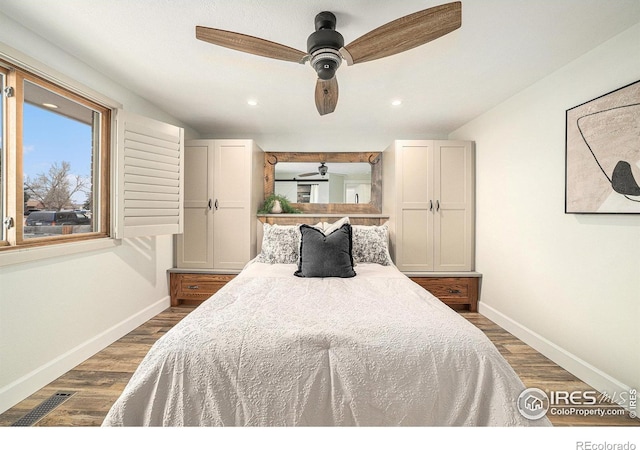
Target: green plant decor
{"type": "Point", "coordinates": [284, 203]}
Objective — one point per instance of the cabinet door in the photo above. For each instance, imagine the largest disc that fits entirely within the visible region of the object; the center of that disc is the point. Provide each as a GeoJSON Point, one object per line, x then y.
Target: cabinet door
{"type": "Point", "coordinates": [231, 216]}
{"type": "Point", "coordinates": [453, 214]}
{"type": "Point", "coordinates": [415, 209]}
{"type": "Point", "coordinates": [195, 245]}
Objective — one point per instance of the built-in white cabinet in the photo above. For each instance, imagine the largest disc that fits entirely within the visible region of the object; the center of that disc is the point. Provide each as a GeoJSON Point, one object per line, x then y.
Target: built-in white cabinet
{"type": "Point", "coordinates": [428, 192]}
{"type": "Point", "coordinates": [223, 189]}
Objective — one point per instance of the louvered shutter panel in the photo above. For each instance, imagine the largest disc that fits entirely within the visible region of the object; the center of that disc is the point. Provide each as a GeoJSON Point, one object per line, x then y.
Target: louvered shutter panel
{"type": "Point", "coordinates": [149, 177]}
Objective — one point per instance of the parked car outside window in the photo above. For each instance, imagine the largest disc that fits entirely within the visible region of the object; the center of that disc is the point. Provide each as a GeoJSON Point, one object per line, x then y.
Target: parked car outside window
{"type": "Point", "coordinates": [40, 218]}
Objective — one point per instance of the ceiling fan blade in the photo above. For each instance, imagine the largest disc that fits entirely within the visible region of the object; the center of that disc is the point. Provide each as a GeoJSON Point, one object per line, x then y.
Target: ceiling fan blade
{"type": "Point", "coordinates": [404, 33]}
{"type": "Point", "coordinates": [250, 44]}
{"type": "Point", "coordinates": [326, 95]}
{"type": "Point", "coordinates": [308, 174]}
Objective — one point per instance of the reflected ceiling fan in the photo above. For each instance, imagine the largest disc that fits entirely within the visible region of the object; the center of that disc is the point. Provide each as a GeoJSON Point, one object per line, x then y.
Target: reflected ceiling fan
{"type": "Point", "coordinates": [322, 170]}
{"type": "Point", "coordinates": [326, 49]}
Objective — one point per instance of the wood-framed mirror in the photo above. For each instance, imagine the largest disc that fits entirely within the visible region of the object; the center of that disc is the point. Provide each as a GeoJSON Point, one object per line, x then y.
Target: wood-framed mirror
{"type": "Point", "coordinates": [347, 182]}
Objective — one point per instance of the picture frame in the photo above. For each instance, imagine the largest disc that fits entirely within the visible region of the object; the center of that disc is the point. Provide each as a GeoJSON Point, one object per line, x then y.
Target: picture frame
{"type": "Point", "coordinates": [602, 173]}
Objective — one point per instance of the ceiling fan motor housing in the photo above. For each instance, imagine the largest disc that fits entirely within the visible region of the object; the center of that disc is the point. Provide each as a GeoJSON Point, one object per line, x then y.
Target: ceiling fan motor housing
{"type": "Point", "coordinates": [323, 46]}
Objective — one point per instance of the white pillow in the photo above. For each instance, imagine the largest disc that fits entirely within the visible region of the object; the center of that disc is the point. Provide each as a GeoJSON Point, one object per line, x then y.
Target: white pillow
{"type": "Point", "coordinates": [371, 244]}
{"type": "Point", "coordinates": [329, 228]}
{"type": "Point", "coordinates": [280, 244]}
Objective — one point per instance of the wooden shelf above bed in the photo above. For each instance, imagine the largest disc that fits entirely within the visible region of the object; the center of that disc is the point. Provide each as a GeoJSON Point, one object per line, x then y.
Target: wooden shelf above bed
{"type": "Point", "coordinates": [313, 218]}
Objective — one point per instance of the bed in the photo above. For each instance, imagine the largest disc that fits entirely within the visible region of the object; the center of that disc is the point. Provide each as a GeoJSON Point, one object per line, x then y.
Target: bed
{"type": "Point", "coordinates": [276, 348]}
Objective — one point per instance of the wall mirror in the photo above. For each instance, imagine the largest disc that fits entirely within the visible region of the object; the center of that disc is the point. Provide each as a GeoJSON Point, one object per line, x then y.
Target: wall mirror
{"type": "Point", "coordinates": [326, 183]}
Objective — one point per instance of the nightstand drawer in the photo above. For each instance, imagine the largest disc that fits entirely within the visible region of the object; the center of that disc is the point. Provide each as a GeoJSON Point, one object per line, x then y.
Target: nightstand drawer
{"type": "Point", "coordinates": [446, 287]}
{"type": "Point", "coordinates": [195, 288]}
{"type": "Point", "coordinates": [454, 291]}
{"type": "Point", "coordinates": [202, 284]}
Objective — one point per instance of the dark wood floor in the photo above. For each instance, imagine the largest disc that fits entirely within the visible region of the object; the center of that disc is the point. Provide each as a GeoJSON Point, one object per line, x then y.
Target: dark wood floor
{"type": "Point", "coordinates": [98, 381]}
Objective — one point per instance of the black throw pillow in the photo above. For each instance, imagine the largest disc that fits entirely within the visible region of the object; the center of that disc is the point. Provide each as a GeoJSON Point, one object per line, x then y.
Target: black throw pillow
{"type": "Point", "coordinates": [325, 255]}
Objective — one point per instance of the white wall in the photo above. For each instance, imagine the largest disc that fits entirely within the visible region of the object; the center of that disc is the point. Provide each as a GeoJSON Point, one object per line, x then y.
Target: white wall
{"type": "Point", "coordinates": [56, 312]}
{"type": "Point", "coordinates": [567, 284]}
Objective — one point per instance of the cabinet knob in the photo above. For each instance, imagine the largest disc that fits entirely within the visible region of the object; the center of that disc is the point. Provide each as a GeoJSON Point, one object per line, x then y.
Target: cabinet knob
{"type": "Point", "coordinates": [193, 286]}
{"type": "Point", "coordinates": [454, 291]}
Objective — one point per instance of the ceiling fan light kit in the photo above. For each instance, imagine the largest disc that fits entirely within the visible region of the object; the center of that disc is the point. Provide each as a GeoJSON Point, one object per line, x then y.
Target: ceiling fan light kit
{"type": "Point", "coordinates": [326, 49]}
{"type": "Point", "coordinates": [324, 46]}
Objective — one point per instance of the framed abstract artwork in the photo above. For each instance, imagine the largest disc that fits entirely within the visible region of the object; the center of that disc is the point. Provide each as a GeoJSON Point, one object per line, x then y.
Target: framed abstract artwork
{"type": "Point", "coordinates": [603, 154]}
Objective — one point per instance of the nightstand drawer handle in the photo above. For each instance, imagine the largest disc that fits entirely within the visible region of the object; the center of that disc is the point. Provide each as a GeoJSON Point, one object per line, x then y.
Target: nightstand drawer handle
{"type": "Point", "coordinates": [193, 286]}
{"type": "Point", "coordinates": [454, 291]}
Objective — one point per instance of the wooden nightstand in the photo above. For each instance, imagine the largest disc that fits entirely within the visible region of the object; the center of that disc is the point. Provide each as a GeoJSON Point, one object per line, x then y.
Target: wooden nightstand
{"type": "Point", "coordinates": [457, 292]}
{"type": "Point", "coordinates": [194, 288]}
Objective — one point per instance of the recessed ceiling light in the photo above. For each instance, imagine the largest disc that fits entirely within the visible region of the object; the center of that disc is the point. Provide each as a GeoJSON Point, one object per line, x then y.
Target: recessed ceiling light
{"type": "Point", "coordinates": [252, 102]}
{"type": "Point", "coordinates": [50, 105]}
{"type": "Point", "coordinates": [396, 102]}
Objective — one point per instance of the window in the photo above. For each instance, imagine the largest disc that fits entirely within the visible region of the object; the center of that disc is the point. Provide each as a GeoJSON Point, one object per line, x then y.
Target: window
{"type": "Point", "coordinates": [55, 163]}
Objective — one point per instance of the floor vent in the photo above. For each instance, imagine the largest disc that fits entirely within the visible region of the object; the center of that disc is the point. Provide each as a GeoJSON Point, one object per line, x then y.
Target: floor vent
{"type": "Point", "coordinates": [43, 409]}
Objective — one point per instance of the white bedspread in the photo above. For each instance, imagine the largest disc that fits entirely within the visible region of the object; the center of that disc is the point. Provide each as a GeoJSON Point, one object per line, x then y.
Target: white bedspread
{"type": "Point", "coordinates": [273, 349]}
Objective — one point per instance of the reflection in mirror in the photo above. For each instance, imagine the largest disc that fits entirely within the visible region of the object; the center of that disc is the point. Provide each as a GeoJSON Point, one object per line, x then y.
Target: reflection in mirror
{"type": "Point", "coordinates": [362, 193]}
{"type": "Point", "coordinates": [333, 182]}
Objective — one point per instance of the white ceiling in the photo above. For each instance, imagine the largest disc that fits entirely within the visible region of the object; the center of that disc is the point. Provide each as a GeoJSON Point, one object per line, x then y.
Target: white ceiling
{"type": "Point", "coordinates": [149, 46]}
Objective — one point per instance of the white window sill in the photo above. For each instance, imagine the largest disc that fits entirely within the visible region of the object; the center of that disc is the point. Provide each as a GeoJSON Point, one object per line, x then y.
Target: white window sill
{"type": "Point", "coordinates": [24, 255]}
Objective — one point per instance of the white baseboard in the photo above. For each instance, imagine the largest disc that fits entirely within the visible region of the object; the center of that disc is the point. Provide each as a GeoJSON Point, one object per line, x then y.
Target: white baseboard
{"type": "Point", "coordinates": [586, 372]}
{"type": "Point", "coordinates": [43, 375]}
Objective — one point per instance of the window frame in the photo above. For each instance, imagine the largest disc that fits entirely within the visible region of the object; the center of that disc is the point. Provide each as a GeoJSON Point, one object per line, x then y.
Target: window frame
{"type": "Point", "coordinates": [13, 201]}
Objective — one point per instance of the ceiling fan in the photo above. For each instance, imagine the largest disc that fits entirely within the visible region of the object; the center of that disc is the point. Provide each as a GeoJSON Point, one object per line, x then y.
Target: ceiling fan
{"type": "Point", "coordinates": [322, 170]}
{"type": "Point", "coordinates": [326, 49]}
